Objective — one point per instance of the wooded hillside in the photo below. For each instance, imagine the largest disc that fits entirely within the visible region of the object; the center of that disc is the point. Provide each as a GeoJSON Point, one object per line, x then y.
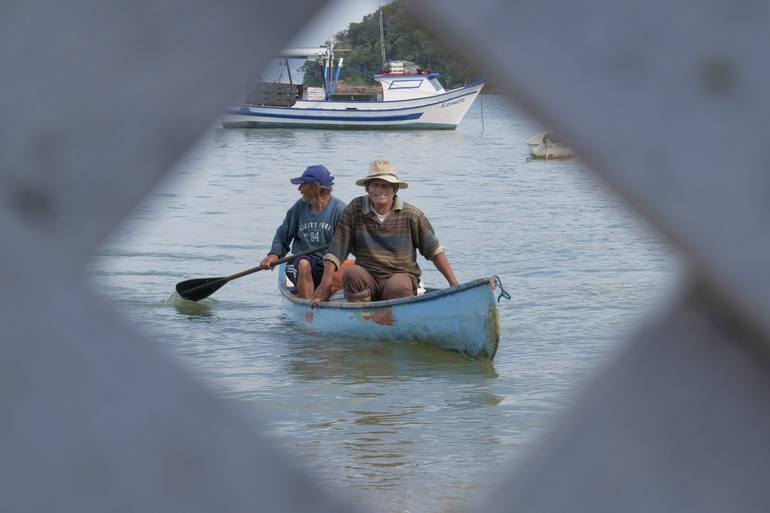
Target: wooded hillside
{"type": "Point", "coordinates": [404, 40]}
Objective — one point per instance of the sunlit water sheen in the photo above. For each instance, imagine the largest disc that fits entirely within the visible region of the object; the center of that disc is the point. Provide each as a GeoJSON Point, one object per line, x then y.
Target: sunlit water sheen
{"type": "Point", "coordinates": [396, 426]}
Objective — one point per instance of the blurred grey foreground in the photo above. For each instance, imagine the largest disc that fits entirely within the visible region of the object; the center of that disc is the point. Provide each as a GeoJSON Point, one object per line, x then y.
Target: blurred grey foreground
{"type": "Point", "coordinates": [666, 101]}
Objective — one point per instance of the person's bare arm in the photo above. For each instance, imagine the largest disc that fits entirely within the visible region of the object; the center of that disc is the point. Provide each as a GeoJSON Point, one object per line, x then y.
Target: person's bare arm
{"type": "Point", "coordinates": [442, 264]}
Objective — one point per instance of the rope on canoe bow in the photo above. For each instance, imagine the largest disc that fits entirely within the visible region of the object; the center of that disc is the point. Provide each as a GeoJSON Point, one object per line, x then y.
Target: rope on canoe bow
{"type": "Point", "coordinates": [503, 292]}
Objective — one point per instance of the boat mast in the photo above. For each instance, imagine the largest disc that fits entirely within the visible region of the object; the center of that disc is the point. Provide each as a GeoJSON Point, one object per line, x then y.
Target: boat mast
{"type": "Point", "coordinates": [332, 83]}
{"type": "Point", "coordinates": [382, 40]}
{"type": "Point", "coordinates": [327, 63]}
{"type": "Point", "coordinates": [288, 69]}
{"type": "Point", "coordinates": [337, 75]}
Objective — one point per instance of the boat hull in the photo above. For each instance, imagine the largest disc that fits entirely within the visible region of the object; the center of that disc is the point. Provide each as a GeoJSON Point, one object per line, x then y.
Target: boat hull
{"type": "Point", "coordinates": [464, 318]}
{"type": "Point", "coordinates": [444, 111]}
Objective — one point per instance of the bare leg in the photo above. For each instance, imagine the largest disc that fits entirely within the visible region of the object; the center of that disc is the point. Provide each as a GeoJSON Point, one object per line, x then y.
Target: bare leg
{"type": "Point", "coordinates": [305, 286]}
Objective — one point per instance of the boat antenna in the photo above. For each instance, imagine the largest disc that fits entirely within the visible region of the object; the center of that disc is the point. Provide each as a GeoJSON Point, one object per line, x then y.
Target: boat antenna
{"type": "Point", "coordinates": [382, 40]}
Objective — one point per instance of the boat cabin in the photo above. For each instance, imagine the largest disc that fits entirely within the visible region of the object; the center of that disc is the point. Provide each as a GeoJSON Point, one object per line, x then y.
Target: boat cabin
{"type": "Point", "coordinates": [404, 80]}
{"type": "Point", "coordinates": [356, 93]}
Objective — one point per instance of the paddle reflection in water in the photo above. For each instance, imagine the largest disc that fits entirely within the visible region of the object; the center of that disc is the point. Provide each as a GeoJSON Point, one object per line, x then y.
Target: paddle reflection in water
{"type": "Point", "coordinates": [201, 308]}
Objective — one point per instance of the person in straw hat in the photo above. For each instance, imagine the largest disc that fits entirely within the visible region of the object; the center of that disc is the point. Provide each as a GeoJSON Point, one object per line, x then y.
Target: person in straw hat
{"type": "Point", "coordinates": [384, 233]}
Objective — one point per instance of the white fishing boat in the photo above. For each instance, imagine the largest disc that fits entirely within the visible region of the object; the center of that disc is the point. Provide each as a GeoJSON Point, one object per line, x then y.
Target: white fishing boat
{"type": "Point", "coordinates": [411, 98]}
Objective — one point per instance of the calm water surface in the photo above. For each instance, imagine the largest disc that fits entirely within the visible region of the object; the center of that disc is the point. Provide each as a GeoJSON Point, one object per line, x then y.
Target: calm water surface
{"type": "Point", "coordinates": [398, 427]}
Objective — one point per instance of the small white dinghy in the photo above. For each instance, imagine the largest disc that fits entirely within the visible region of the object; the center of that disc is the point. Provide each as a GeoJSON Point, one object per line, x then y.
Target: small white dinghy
{"type": "Point", "coordinates": [546, 146]}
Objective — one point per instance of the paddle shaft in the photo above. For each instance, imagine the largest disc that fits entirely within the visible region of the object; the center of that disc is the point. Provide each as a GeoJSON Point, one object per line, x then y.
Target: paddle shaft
{"type": "Point", "coordinates": [280, 261]}
{"type": "Point", "coordinates": [199, 288]}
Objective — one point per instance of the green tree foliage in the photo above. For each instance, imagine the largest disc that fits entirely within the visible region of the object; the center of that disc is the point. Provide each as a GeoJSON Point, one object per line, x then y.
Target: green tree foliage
{"type": "Point", "coordinates": [312, 73]}
{"type": "Point", "coordinates": [404, 41]}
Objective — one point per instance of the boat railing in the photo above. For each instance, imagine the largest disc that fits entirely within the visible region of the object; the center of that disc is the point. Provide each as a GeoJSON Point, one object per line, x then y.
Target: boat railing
{"type": "Point", "coordinates": [273, 93]}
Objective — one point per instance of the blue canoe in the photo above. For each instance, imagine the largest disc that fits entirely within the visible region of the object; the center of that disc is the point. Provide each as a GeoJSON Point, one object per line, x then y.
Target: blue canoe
{"type": "Point", "coordinates": [463, 318]}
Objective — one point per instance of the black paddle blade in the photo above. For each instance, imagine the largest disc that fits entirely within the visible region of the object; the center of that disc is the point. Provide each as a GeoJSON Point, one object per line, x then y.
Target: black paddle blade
{"type": "Point", "coordinates": [199, 288]}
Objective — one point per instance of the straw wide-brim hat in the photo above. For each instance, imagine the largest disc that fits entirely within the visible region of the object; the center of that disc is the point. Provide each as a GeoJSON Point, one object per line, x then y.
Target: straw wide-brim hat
{"type": "Point", "coordinates": [382, 170]}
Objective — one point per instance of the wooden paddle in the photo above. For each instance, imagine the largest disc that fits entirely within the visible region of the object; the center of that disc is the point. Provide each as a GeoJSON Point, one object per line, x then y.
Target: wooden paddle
{"type": "Point", "coordinates": [199, 288]}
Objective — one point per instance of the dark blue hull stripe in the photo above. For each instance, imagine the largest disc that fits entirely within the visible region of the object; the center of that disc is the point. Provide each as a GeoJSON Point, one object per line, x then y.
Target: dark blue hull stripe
{"type": "Point", "coordinates": [337, 126]}
{"type": "Point", "coordinates": [305, 117]}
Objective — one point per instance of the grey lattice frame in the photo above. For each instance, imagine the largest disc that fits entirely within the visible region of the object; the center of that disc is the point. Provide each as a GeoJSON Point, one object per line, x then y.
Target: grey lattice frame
{"type": "Point", "coordinates": [665, 100]}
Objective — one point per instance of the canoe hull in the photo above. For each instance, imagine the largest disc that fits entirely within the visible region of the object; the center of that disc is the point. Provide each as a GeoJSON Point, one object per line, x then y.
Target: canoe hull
{"type": "Point", "coordinates": [462, 318]}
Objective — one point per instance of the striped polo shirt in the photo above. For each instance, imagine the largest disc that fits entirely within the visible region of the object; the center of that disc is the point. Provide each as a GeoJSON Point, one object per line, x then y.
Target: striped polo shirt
{"type": "Point", "coordinates": [385, 248]}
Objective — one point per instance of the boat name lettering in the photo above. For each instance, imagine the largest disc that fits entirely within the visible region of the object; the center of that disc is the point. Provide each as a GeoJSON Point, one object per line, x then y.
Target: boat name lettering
{"type": "Point", "coordinates": [453, 102]}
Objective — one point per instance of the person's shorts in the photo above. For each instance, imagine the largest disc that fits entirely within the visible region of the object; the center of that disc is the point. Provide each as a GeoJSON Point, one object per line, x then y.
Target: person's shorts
{"type": "Point", "coordinates": [316, 268]}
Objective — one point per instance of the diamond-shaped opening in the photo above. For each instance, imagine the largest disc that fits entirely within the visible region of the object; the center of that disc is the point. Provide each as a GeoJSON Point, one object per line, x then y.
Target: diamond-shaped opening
{"type": "Point", "coordinates": [403, 427]}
